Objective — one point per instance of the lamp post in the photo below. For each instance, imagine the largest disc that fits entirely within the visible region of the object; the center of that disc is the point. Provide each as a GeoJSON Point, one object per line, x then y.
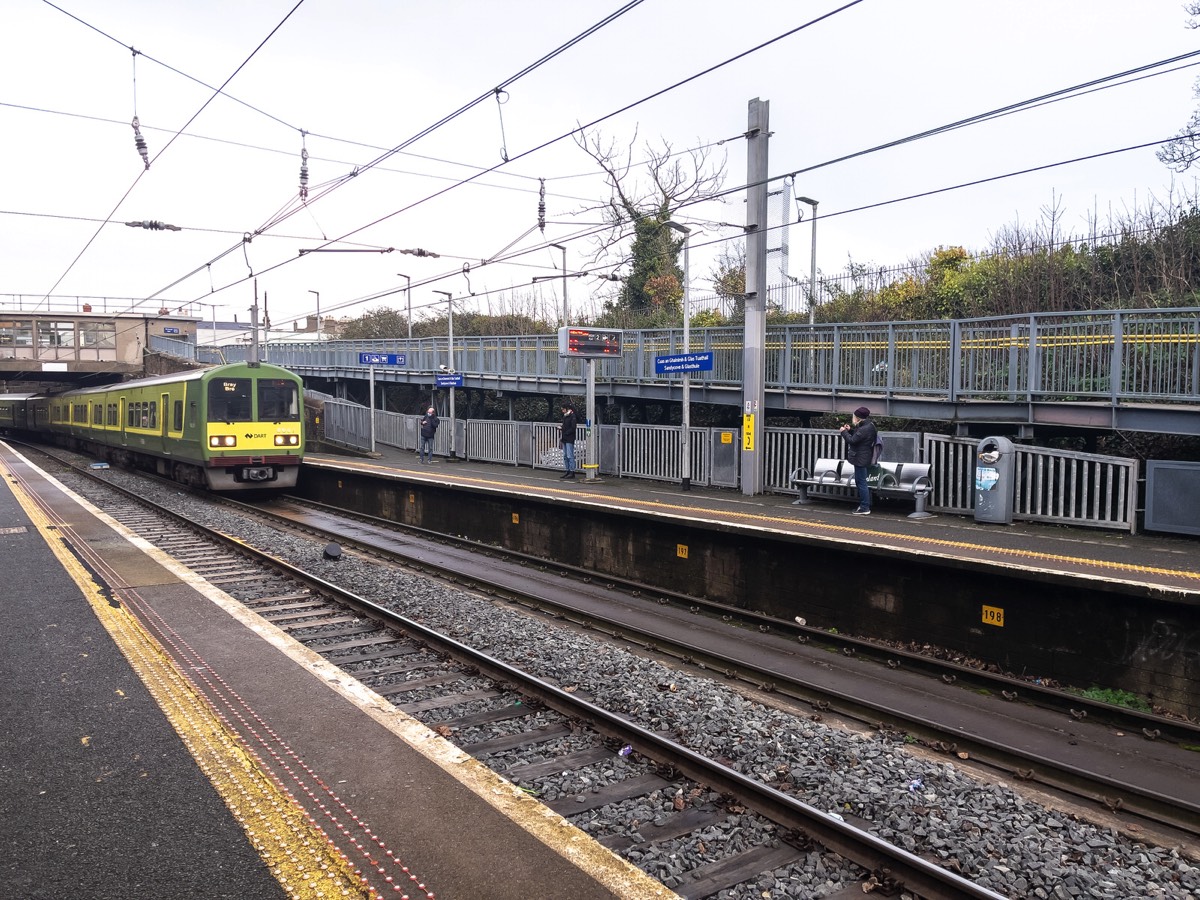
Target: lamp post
{"type": "Point", "coordinates": [408, 300]}
{"type": "Point", "coordinates": [812, 273]}
{"type": "Point", "coordinates": [318, 293]}
{"type": "Point", "coordinates": [685, 459]}
{"type": "Point", "coordinates": [566, 317]}
{"type": "Point", "coordinates": [450, 360]}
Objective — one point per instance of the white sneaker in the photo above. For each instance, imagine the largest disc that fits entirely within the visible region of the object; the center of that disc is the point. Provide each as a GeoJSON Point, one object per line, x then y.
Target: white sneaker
{"type": "Point", "coordinates": [862, 512]}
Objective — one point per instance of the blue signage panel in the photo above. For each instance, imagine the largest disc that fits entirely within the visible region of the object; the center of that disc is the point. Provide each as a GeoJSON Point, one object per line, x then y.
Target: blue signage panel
{"type": "Point", "coordinates": [684, 362]}
{"type": "Point", "coordinates": [170, 330]}
{"type": "Point", "coordinates": [381, 359]}
{"type": "Point", "coordinates": [448, 380]}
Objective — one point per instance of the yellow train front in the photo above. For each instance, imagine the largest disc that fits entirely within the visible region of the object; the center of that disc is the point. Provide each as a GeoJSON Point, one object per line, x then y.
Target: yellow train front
{"type": "Point", "coordinates": [235, 427]}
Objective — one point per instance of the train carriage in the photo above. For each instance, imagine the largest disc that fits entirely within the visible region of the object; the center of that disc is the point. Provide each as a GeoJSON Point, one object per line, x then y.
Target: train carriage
{"type": "Point", "coordinates": [14, 415]}
{"type": "Point", "coordinates": [229, 428]}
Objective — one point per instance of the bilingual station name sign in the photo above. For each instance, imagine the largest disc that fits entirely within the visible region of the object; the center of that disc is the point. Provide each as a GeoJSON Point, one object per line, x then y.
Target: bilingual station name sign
{"type": "Point", "coordinates": [454, 380]}
{"type": "Point", "coordinates": [382, 359]}
{"type": "Point", "coordinates": [684, 362]}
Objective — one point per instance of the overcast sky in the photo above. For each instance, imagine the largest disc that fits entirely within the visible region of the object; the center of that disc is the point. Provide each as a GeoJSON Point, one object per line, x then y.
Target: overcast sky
{"type": "Point", "coordinates": [362, 77]}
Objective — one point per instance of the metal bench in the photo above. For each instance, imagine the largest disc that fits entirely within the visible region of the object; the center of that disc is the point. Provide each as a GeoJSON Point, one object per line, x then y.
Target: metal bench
{"type": "Point", "coordinates": [836, 478]}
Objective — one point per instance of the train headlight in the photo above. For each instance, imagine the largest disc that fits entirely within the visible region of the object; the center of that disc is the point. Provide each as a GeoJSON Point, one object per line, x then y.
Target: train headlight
{"type": "Point", "coordinates": [218, 441]}
{"type": "Point", "coordinates": [287, 440]}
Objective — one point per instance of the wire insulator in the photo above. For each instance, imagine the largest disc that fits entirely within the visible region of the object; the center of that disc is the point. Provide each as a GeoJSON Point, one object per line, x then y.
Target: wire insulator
{"type": "Point", "coordinates": [303, 174]}
{"type": "Point", "coordinates": [140, 142]}
{"type": "Point", "coordinates": [542, 205]}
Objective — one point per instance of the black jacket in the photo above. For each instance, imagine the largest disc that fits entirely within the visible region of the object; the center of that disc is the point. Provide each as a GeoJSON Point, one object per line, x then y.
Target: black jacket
{"type": "Point", "coordinates": [429, 425]}
{"type": "Point", "coordinates": [570, 423]}
{"type": "Point", "coordinates": [860, 442]}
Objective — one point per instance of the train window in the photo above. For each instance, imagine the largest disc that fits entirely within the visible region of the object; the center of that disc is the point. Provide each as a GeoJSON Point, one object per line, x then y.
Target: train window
{"type": "Point", "coordinates": [229, 400]}
{"type": "Point", "coordinates": [113, 418]}
{"type": "Point", "coordinates": [151, 417]}
{"type": "Point", "coordinates": [177, 415]}
{"type": "Point", "coordinates": [278, 400]}
{"type": "Point", "coordinates": [98, 414]}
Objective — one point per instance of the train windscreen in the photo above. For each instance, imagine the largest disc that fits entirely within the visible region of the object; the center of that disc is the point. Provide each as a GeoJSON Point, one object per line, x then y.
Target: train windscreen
{"type": "Point", "coordinates": [229, 400]}
{"type": "Point", "coordinates": [278, 400]}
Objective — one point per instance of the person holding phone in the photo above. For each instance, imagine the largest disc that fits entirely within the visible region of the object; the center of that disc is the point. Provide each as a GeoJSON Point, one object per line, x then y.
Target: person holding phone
{"type": "Point", "coordinates": [860, 437]}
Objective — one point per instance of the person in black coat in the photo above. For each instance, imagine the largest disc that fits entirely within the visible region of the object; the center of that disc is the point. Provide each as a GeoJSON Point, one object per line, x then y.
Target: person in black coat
{"type": "Point", "coordinates": [860, 437]}
{"type": "Point", "coordinates": [429, 427]}
{"type": "Point", "coordinates": [570, 424]}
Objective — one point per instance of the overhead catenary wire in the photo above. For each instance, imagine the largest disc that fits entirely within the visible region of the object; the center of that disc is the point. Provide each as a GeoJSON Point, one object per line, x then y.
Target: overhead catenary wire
{"type": "Point", "coordinates": [557, 51]}
{"type": "Point", "coordinates": [575, 130]}
{"type": "Point", "coordinates": [280, 217]}
{"type": "Point", "coordinates": [277, 119]}
{"type": "Point", "coordinates": [1042, 99]}
{"type": "Point", "coordinates": [343, 162]}
{"type": "Point", "coordinates": [203, 106]}
{"type": "Point", "coordinates": [831, 162]}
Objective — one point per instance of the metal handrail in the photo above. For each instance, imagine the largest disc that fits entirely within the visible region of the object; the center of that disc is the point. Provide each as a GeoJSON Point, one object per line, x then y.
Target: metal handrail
{"type": "Point", "coordinates": [1110, 357]}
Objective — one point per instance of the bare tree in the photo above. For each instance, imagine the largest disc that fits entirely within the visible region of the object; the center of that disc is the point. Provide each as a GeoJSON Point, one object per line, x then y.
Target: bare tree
{"type": "Point", "coordinates": [643, 196]}
{"type": "Point", "coordinates": [1183, 151]}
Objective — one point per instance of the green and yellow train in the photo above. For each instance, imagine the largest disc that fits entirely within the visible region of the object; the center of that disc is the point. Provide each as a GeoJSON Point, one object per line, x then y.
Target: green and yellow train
{"type": "Point", "coordinates": [234, 427]}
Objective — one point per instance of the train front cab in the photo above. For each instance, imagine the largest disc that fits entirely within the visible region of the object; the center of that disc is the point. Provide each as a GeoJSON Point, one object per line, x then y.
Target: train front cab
{"type": "Point", "coordinates": [254, 429]}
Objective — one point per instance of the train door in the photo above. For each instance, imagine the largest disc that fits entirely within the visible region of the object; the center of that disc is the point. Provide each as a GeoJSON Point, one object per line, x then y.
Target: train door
{"type": "Point", "coordinates": [164, 421]}
{"type": "Point", "coordinates": [122, 418]}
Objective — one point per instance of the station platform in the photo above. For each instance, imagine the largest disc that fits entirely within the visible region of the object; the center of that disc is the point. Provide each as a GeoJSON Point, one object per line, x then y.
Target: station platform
{"type": "Point", "coordinates": [158, 740]}
{"type": "Point", "coordinates": [1165, 566]}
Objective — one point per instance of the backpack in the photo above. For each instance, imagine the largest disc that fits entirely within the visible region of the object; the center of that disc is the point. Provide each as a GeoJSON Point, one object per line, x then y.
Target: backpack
{"type": "Point", "coordinates": [877, 451]}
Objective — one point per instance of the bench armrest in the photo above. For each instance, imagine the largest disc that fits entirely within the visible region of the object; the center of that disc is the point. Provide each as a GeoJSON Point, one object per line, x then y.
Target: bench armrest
{"type": "Point", "coordinates": [799, 474]}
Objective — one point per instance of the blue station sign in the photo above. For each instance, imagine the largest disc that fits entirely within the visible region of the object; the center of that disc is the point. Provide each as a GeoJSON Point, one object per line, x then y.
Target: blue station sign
{"type": "Point", "coordinates": [684, 362]}
{"type": "Point", "coordinates": [382, 359]}
{"type": "Point", "coordinates": [448, 380]}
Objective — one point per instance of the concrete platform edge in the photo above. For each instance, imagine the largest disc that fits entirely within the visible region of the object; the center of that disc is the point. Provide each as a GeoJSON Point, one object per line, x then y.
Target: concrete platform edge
{"type": "Point", "coordinates": [548, 827]}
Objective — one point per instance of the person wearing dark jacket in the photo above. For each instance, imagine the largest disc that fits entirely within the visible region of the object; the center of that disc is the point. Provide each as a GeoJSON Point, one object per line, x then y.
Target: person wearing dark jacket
{"type": "Point", "coordinates": [860, 437]}
{"type": "Point", "coordinates": [429, 427]}
{"type": "Point", "coordinates": [570, 424]}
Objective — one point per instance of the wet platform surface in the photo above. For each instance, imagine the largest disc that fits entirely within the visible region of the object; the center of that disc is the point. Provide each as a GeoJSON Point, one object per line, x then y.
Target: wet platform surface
{"type": "Point", "coordinates": [160, 740]}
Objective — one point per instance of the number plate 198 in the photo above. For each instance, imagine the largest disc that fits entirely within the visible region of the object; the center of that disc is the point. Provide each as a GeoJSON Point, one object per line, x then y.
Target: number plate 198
{"type": "Point", "coordinates": [993, 615]}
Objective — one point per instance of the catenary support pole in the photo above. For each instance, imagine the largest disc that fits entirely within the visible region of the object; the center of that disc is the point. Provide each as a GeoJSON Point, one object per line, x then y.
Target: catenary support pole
{"type": "Point", "coordinates": [755, 337]}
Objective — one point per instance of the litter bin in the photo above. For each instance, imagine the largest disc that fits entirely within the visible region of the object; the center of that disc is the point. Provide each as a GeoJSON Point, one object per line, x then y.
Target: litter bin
{"type": "Point", "coordinates": [994, 481]}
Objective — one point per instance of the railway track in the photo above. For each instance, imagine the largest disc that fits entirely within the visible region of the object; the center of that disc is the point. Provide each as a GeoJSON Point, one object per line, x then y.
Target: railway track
{"type": "Point", "coordinates": [468, 695]}
{"type": "Point", "coordinates": [737, 644]}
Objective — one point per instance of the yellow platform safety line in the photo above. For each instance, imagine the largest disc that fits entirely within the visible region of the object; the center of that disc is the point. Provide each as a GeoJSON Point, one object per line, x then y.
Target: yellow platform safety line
{"type": "Point", "coordinates": [849, 530]}
{"type": "Point", "coordinates": [299, 855]}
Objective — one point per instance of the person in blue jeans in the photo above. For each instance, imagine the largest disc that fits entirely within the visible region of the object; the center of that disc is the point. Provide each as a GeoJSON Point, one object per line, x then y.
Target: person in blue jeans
{"type": "Point", "coordinates": [860, 436]}
{"type": "Point", "coordinates": [570, 424]}
{"type": "Point", "coordinates": [429, 427]}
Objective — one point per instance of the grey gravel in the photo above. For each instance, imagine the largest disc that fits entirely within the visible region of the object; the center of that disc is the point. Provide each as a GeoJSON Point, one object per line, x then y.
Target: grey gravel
{"type": "Point", "coordinates": [988, 832]}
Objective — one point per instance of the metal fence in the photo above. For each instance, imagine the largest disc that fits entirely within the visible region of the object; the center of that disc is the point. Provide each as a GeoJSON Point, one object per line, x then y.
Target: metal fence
{"type": "Point", "coordinates": [1062, 487]}
{"type": "Point", "coordinates": [1116, 356]}
{"type": "Point", "coordinates": [1056, 486]}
